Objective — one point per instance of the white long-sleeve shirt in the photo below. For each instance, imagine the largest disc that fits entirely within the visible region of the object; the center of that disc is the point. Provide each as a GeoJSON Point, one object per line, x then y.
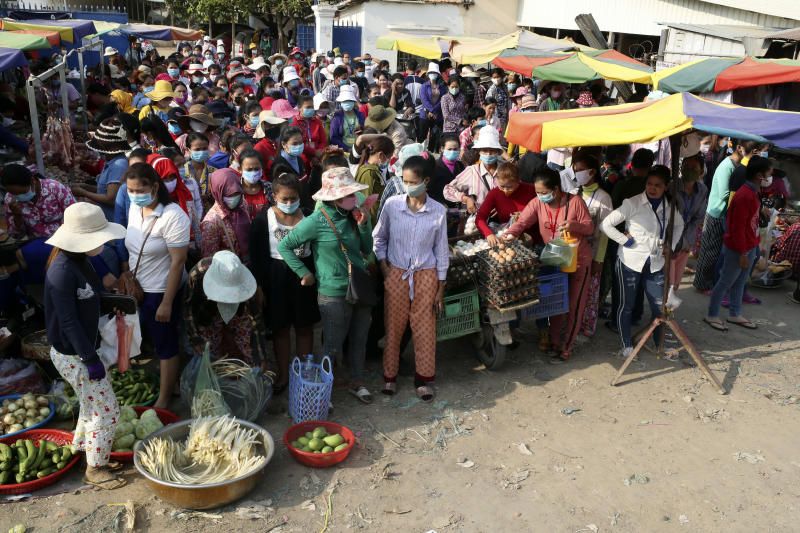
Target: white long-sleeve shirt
{"type": "Point", "coordinates": [646, 228]}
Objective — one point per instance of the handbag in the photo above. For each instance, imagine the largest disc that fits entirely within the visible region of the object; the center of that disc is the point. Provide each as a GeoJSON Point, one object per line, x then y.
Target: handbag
{"type": "Point", "coordinates": [127, 283]}
{"type": "Point", "coordinates": [361, 285]}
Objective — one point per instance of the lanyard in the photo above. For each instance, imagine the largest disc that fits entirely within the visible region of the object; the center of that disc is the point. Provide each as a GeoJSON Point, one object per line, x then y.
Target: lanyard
{"type": "Point", "coordinates": [551, 224]}
{"type": "Point", "coordinates": [663, 222]}
{"type": "Point", "coordinates": [591, 199]}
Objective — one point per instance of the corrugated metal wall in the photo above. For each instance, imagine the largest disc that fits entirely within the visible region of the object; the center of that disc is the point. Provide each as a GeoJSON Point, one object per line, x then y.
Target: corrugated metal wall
{"type": "Point", "coordinates": [685, 46]}
{"type": "Point", "coordinates": [642, 16]}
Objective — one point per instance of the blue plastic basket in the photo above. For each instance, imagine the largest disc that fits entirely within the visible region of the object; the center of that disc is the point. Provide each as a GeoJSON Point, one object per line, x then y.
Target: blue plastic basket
{"type": "Point", "coordinates": [310, 399]}
{"type": "Point", "coordinates": [553, 297]}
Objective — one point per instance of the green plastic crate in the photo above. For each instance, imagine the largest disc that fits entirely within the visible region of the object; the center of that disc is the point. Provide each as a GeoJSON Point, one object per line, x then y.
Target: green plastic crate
{"type": "Point", "coordinates": [461, 315]}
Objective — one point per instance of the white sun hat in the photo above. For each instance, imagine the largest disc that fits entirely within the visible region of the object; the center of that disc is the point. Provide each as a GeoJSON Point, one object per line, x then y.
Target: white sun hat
{"type": "Point", "coordinates": [488, 137]}
{"type": "Point", "coordinates": [85, 228]}
{"type": "Point", "coordinates": [346, 94]}
{"type": "Point", "coordinates": [433, 67]}
{"type": "Point", "coordinates": [227, 280]}
{"type": "Point", "coordinates": [289, 74]}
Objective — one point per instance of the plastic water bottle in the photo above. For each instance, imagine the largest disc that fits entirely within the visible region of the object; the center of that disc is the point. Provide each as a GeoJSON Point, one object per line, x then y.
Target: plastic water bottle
{"type": "Point", "coordinates": [309, 372]}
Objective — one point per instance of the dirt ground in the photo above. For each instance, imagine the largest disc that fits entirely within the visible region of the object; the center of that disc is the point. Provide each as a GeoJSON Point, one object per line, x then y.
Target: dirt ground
{"type": "Point", "coordinates": [497, 451]}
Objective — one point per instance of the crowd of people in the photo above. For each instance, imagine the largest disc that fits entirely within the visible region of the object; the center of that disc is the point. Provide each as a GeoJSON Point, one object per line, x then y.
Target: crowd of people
{"type": "Point", "coordinates": [329, 184]}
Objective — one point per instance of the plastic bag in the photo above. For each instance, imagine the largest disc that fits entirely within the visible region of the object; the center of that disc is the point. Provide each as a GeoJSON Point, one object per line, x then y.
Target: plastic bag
{"type": "Point", "coordinates": [66, 406]}
{"type": "Point", "coordinates": [556, 253]}
{"type": "Point", "coordinates": [207, 399]}
{"type": "Point", "coordinates": [111, 349]}
{"type": "Point", "coordinates": [18, 376]}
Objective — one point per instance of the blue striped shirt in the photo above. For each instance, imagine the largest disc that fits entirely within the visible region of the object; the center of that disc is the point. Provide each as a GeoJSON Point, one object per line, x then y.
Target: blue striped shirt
{"type": "Point", "coordinates": [413, 241]}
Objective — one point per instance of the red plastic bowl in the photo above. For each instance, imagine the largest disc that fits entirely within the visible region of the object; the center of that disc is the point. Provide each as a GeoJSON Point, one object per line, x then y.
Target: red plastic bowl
{"type": "Point", "coordinates": [54, 435]}
{"type": "Point", "coordinates": [318, 460]}
{"type": "Point", "coordinates": [167, 417]}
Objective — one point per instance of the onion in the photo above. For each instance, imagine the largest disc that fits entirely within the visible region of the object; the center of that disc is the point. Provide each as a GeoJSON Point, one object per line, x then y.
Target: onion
{"type": "Point", "coordinates": [19, 413]}
{"type": "Point", "coordinates": [12, 407]}
{"type": "Point", "coordinates": [32, 412]}
{"type": "Point", "coordinates": [42, 401]}
{"type": "Point", "coordinates": [29, 422]}
{"type": "Point", "coordinates": [9, 419]}
{"type": "Point", "coordinates": [44, 411]}
{"type": "Point", "coordinates": [15, 427]}
{"type": "Point", "coordinates": [30, 404]}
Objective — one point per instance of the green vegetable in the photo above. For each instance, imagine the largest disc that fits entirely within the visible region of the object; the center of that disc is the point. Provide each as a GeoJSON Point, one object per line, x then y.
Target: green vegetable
{"type": "Point", "coordinates": [43, 473]}
{"type": "Point", "coordinates": [319, 432]}
{"type": "Point", "coordinates": [305, 449]}
{"type": "Point", "coordinates": [4, 476]}
{"type": "Point", "coordinates": [333, 440]}
{"type": "Point", "coordinates": [309, 435]}
{"type": "Point", "coordinates": [123, 428]}
{"type": "Point", "coordinates": [341, 447]}
{"type": "Point", "coordinates": [303, 441]}
{"type": "Point", "coordinates": [61, 465]}
{"type": "Point", "coordinates": [123, 442]}
{"type": "Point", "coordinates": [5, 452]}
{"type": "Point", "coordinates": [39, 455]}
{"type": "Point", "coordinates": [126, 414]}
{"type": "Point", "coordinates": [327, 449]}
{"type": "Point", "coordinates": [316, 444]}
{"type": "Point", "coordinates": [51, 446]}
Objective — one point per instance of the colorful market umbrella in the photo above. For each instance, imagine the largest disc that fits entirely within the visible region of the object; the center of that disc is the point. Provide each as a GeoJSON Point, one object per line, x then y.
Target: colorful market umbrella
{"type": "Point", "coordinates": [52, 36]}
{"type": "Point", "coordinates": [11, 58]}
{"type": "Point", "coordinates": [427, 47]}
{"type": "Point", "coordinates": [66, 34]}
{"type": "Point", "coordinates": [21, 41]}
{"type": "Point", "coordinates": [717, 74]}
{"type": "Point", "coordinates": [160, 33]}
{"type": "Point", "coordinates": [523, 41]}
{"type": "Point", "coordinates": [575, 67]}
{"type": "Point", "coordinates": [650, 121]}
{"type": "Point", "coordinates": [80, 28]}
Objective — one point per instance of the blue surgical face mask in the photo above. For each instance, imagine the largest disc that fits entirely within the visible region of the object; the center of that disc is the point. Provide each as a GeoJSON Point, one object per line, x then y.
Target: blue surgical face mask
{"type": "Point", "coordinates": [174, 128]}
{"type": "Point", "coordinates": [253, 122]}
{"type": "Point", "coordinates": [296, 150]}
{"type": "Point", "coordinates": [433, 76]}
{"type": "Point", "coordinates": [279, 62]}
{"type": "Point", "coordinates": [488, 159]}
{"type": "Point", "coordinates": [415, 191]}
{"type": "Point", "coordinates": [348, 106]}
{"type": "Point", "coordinates": [450, 155]}
{"type": "Point", "coordinates": [344, 82]}
{"type": "Point", "coordinates": [232, 202]}
{"type": "Point", "coordinates": [511, 87]}
{"type": "Point", "coordinates": [199, 156]}
{"type": "Point", "coordinates": [367, 61]}
{"type": "Point", "coordinates": [546, 198]}
{"type": "Point", "coordinates": [360, 74]}
{"type": "Point", "coordinates": [147, 89]}
{"type": "Point", "coordinates": [26, 196]}
{"type": "Point", "coordinates": [182, 172]}
{"type": "Point", "coordinates": [481, 122]}
{"type": "Point", "coordinates": [173, 72]}
{"type": "Point", "coordinates": [764, 154]}
{"type": "Point", "coordinates": [252, 176]}
{"type": "Point", "coordinates": [289, 208]}
{"type": "Point", "coordinates": [308, 112]}
{"type": "Point", "coordinates": [294, 83]}
{"type": "Point", "coordinates": [141, 199]}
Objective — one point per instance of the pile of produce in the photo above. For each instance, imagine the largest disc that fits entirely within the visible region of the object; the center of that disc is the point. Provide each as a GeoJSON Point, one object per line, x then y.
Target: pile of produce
{"type": "Point", "coordinates": [134, 387]}
{"type": "Point", "coordinates": [25, 461]}
{"type": "Point", "coordinates": [507, 274]}
{"type": "Point", "coordinates": [318, 441]}
{"type": "Point", "coordinates": [470, 248]}
{"type": "Point", "coordinates": [22, 413]}
{"type": "Point", "coordinates": [131, 429]}
{"type": "Point", "coordinates": [217, 449]}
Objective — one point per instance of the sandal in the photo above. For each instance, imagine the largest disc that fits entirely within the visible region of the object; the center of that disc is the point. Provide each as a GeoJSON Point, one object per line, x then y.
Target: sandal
{"type": "Point", "coordinates": [362, 394]}
{"type": "Point", "coordinates": [750, 299]}
{"type": "Point", "coordinates": [715, 323]}
{"type": "Point", "coordinates": [743, 323]}
{"type": "Point", "coordinates": [114, 466]}
{"type": "Point", "coordinates": [556, 360]}
{"type": "Point", "coordinates": [107, 484]}
{"type": "Point", "coordinates": [389, 388]}
{"type": "Point", "coordinates": [425, 393]}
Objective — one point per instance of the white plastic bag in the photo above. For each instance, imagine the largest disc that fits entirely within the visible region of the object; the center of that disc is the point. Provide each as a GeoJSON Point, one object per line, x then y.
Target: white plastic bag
{"type": "Point", "coordinates": [108, 338]}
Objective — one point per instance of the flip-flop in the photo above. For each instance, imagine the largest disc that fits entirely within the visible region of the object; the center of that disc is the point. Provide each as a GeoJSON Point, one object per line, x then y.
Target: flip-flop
{"type": "Point", "coordinates": [425, 393]}
{"type": "Point", "coordinates": [389, 388]}
{"type": "Point", "coordinates": [750, 299]}
{"type": "Point", "coordinates": [107, 484]}
{"type": "Point", "coordinates": [114, 466]}
{"type": "Point", "coordinates": [744, 323]}
{"type": "Point", "coordinates": [362, 394]}
{"type": "Point", "coordinates": [716, 324]}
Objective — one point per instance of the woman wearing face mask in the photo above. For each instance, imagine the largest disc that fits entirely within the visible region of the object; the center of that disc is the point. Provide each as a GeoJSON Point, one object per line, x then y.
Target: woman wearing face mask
{"type": "Point", "coordinates": [288, 304]}
{"type": "Point", "coordinates": [641, 250]}
{"type": "Point", "coordinates": [552, 96]}
{"type": "Point", "coordinates": [72, 310]}
{"type": "Point", "coordinates": [161, 98]}
{"type": "Point", "coordinates": [292, 160]}
{"type": "Point", "coordinates": [691, 203]}
{"type": "Point", "coordinates": [314, 138]}
{"type": "Point", "coordinates": [257, 190]}
{"type": "Point", "coordinates": [509, 198]}
{"type": "Point", "coordinates": [348, 121]}
{"type": "Point", "coordinates": [226, 225]}
{"type": "Point", "coordinates": [111, 142]}
{"type": "Point", "coordinates": [181, 95]}
{"type": "Point", "coordinates": [266, 136]}
{"type": "Point", "coordinates": [431, 95]}
{"type": "Point", "coordinates": [174, 73]}
{"type": "Point", "coordinates": [400, 98]}
{"type": "Point", "coordinates": [197, 166]}
{"type": "Point", "coordinates": [278, 61]}
{"type": "Point", "coordinates": [556, 212]}
{"type": "Point", "coordinates": [335, 225]}
{"type": "Point", "coordinates": [238, 144]}
{"type": "Point", "coordinates": [374, 167]}
{"type": "Point", "coordinates": [476, 117]}
{"type": "Point", "coordinates": [454, 107]}
{"type": "Point", "coordinates": [157, 242]}
{"type": "Point", "coordinates": [586, 168]}
{"type": "Point", "coordinates": [474, 183]}
{"type": "Point", "coordinates": [498, 92]}
{"type": "Point", "coordinates": [248, 117]}
{"type": "Point", "coordinates": [142, 96]}
{"type": "Point", "coordinates": [197, 75]}
{"type": "Point", "coordinates": [448, 166]}
{"type": "Point", "coordinates": [180, 192]}
{"type": "Point", "coordinates": [411, 246]}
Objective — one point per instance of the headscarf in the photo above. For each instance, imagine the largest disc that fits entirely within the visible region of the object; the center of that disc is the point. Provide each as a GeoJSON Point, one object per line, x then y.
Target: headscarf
{"type": "Point", "coordinates": [227, 182]}
{"type": "Point", "coordinates": [164, 167]}
{"type": "Point", "coordinates": [124, 100]}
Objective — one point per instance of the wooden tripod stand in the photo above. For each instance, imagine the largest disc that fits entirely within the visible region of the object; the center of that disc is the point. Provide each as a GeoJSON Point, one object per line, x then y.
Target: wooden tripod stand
{"type": "Point", "coordinates": [667, 319]}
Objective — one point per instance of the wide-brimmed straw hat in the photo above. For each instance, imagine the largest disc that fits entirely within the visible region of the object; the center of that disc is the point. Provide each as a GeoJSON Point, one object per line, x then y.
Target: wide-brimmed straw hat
{"type": "Point", "coordinates": [337, 183]}
{"type": "Point", "coordinates": [195, 67]}
{"type": "Point", "coordinates": [110, 51]}
{"type": "Point", "coordinates": [200, 113]}
{"type": "Point", "coordinates": [270, 118]}
{"type": "Point", "coordinates": [283, 109]}
{"type": "Point", "coordinates": [236, 70]}
{"type": "Point", "coordinates": [162, 89]}
{"type": "Point", "coordinates": [110, 138]}
{"type": "Point", "coordinates": [85, 228]}
{"type": "Point", "coordinates": [469, 72]}
{"type": "Point", "coordinates": [527, 101]}
{"type": "Point", "coordinates": [488, 137]}
{"type": "Point", "coordinates": [258, 63]}
{"type": "Point", "coordinates": [275, 57]}
{"type": "Point", "coordinates": [227, 280]}
{"type": "Point", "coordinates": [380, 117]}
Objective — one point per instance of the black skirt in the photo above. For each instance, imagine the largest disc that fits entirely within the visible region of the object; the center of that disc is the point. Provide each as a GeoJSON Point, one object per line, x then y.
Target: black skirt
{"type": "Point", "coordinates": [288, 302]}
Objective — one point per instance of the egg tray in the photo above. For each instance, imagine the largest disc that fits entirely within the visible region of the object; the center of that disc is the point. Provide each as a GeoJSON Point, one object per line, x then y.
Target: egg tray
{"type": "Point", "coordinates": [510, 280]}
{"type": "Point", "coordinates": [463, 271]}
{"type": "Point", "coordinates": [514, 296]}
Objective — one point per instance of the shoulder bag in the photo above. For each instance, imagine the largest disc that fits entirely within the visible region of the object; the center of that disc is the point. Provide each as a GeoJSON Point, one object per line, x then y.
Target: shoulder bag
{"type": "Point", "coordinates": [127, 283]}
{"type": "Point", "coordinates": [361, 285]}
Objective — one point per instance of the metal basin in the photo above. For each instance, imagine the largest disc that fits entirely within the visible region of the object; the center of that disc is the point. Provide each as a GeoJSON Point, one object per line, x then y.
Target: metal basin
{"type": "Point", "coordinates": [202, 496]}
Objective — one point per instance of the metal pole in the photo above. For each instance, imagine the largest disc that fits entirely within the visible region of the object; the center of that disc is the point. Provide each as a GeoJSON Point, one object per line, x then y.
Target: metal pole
{"type": "Point", "coordinates": [62, 76]}
{"type": "Point", "coordinates": [37, 136]}
{"type": "Point", "coordinates": [83, 90]}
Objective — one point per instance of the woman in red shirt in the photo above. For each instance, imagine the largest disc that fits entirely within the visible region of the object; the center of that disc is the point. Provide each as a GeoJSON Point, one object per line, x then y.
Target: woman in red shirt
{"type": "Point", "coordinates": [257, 190]}
{"type": "Point", "coordinates": [314, 137]}
{"type": "Point", "coordinates": [556, 212]}
{"type": "Point", "coordinates": [509, 198]}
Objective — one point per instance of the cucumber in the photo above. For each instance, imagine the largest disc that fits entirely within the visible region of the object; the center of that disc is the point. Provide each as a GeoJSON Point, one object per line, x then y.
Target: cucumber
{"type": "Point", "coordinates": [51, 446]}
{"type": "Point", "coordinates": [55, 457]}
{"type": "Point", "coordinates": [45, 472]}
{"type": "Point", "coordinates": [66, 453]}
{"type": "Point", "coordinates": [31, 449]}
{"type": "Point", "coordinates": [5, 466]}
{"type": "Point", "coordinates": [20, 478]}
{"type": "Point", "coordinates": [47, 463]}
{"type": "Point", "coordinates": [39, 455]}
{"type": "Point", "coordinates": [5, 452]}
{"type": "Point", "coordinates": [4, 477]}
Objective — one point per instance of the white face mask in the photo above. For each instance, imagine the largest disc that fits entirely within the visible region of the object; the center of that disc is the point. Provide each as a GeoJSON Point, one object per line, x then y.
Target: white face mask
{"type": "Point", "coordinates": [171, 185]}
{"type": "Point", "coordinates": [583, 177]}
{"type": "Point", "coordinates": [497, 81]}
{"type": "Point", "coordinates": [197, 126]}
{"type": "Point", "coordinates": [766, 182]}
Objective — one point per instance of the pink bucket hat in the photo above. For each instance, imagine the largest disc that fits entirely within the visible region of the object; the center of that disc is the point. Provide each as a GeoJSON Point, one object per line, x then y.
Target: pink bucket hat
{"type": "Point", "coordinates": [521, 91]}
{"type": "Point", "coordinates": [283, 109]}
{"type": "Point", "coordinates": [338, 183]}
{"type": "Point", "coordinates": [585, 99]}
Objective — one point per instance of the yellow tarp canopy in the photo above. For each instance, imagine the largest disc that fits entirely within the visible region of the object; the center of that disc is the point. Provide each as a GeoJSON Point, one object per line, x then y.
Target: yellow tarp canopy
{"type": "Point", "coordinates": [65, 33]}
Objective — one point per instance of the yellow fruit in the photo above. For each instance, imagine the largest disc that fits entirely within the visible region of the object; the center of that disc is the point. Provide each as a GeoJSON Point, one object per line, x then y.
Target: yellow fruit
{"type": "Point", "coordinates": [341, 447]}
{"type": "Point", "coordinates": [333, 440]}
